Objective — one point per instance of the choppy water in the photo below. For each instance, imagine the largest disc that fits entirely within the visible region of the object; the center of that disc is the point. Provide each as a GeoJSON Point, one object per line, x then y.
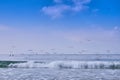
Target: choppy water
{"type": "Point", "coordinates": [38, 67]}
{"type": "Point", "coordinates": [68, 65]}
{"type": "Point", "coordinates": [58, 74]}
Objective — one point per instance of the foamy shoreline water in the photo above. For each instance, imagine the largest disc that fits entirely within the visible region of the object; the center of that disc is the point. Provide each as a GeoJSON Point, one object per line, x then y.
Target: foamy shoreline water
{"type": "Point", "coordinates": [69, 67]}
{"type": "Point", "coordinates": [71, 61]}
{"type": "Point", "coordinates": [58, 74]}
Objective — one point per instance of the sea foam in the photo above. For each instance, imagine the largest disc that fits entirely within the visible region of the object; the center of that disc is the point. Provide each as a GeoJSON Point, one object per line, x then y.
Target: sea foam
{"type": "Point", "coordinates": [68, 65]}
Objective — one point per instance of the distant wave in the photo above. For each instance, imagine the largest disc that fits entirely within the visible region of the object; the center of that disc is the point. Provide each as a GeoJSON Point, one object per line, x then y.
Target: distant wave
{"type": "Point", "coordinates": [68, 65]}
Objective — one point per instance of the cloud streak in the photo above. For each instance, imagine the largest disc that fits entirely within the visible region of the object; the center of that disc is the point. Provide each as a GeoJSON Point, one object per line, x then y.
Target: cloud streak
{"type": "Point", "coordinates": [61, 7]}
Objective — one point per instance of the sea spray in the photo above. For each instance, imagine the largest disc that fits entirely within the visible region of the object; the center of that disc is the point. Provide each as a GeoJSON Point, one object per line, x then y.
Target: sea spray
{"type": "Point", "coordinates": [68, 65]}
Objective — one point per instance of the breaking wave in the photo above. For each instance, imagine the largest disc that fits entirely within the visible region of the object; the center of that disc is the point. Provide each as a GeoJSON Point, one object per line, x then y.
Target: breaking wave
{"type": "Point", "coordinates": [68, 65]}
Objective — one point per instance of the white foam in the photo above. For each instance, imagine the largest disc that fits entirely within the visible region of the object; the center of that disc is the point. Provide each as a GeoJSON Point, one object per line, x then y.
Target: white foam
{"type": "Point", "coordinates": [69, 65]}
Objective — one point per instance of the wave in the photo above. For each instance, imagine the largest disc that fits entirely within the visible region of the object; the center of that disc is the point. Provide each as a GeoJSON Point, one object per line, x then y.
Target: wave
{"type": "Point", "coordinates": [68, 65]}
{"type": "Point", "coordinates": [4, 64]}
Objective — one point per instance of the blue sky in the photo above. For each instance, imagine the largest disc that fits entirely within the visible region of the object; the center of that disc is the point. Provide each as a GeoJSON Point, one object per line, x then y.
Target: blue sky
{"type": "Point", "coordinates": [68, 26]}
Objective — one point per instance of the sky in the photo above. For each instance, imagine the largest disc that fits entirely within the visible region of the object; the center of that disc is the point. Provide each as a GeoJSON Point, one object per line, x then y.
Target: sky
{"type": "Point", "coordinates": [60, 26]}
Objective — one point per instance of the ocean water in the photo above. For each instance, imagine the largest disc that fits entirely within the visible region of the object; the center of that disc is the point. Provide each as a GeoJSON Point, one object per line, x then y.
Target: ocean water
{"type": "Point", "coordinates": [61, 67]}
{"type": "Point", "coordinates": [54, 57]}
{"type": "Point", "coordinates": [58, 74]}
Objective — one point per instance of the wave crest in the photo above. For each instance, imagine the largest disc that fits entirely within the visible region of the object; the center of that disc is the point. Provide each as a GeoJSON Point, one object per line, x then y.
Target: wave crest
{"type": "Point", "coordinates": [68, 65]}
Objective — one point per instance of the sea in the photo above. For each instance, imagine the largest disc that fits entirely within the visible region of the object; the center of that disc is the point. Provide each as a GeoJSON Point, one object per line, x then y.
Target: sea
{"type": "Point", "coordinates": [61, 67]}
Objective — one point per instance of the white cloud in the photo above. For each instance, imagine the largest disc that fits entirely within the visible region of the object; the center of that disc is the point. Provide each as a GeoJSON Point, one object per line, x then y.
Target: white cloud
{"type": "Point", "coordinates": [117, 28]}
{"type": "Point", "coordinates": [61, 7]}
{"type": "Point", "coordinates": [79, 5]}
{"type": "Point", "coordinates": [55, 11]}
